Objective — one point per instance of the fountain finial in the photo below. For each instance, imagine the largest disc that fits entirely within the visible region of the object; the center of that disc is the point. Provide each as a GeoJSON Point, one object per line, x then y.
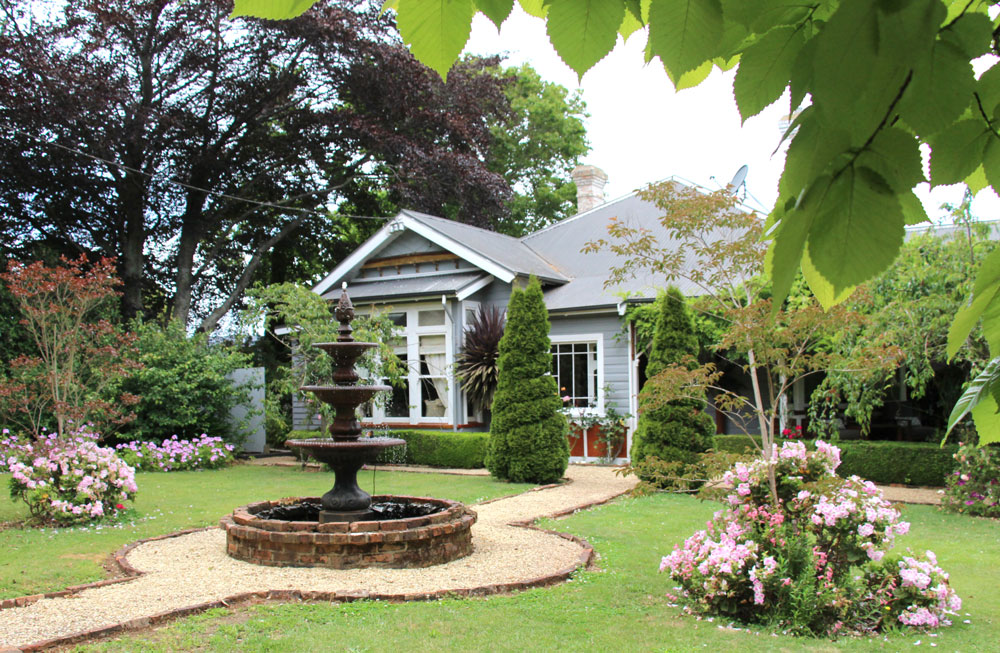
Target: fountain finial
{"type": "Point", "coordinates": [344, 314]}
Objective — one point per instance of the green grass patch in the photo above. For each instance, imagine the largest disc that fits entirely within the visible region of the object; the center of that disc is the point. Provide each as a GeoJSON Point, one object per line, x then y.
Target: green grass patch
{"type": "Point", "coordinates": [621, 607]}
{"type": "Point", "coordinates": [36, 560]}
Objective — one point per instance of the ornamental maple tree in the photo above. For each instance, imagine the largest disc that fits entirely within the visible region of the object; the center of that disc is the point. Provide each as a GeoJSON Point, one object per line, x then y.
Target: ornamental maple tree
{"type": "Point", "coordinates": [869, 83]}
{"type": "Point", "coordinates": [80, 354]}
{"type": "Point", "coordinates": [713, 245]}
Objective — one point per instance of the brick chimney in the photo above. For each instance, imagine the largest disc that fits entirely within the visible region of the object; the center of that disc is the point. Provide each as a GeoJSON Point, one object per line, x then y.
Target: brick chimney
{"type": "Point", "coordinates": [589, 182]}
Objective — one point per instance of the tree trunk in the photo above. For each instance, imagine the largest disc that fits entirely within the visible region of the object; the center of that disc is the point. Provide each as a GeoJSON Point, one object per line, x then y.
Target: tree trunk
{"type": "Point", "coordinates": [192, 230]}
{"type": "Point", "coordinates": [132, 197]}
{"type": "Point", "coordinates": [243, 283]}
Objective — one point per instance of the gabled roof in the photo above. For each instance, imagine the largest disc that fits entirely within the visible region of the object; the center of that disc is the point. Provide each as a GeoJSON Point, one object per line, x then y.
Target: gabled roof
{"type": "Point", "coordinates": [501, 256]}
{"type": "Point", "coordinates": [571, 279]}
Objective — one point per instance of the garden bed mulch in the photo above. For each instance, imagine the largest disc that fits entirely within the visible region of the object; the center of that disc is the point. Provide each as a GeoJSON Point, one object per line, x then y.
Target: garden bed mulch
{"type": "Point", "coordinates": [191, 572]}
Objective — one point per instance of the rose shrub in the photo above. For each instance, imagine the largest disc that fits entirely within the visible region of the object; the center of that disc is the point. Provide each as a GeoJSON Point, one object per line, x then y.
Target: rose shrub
{"type": "Point", "coordinates": [172, 454]}
{"type": "Point", "coordinates": [974, 488]}
{"type": "Point", "coordinates": [814, 562]}
{"type": "Point", "coordinates": [67, 480]}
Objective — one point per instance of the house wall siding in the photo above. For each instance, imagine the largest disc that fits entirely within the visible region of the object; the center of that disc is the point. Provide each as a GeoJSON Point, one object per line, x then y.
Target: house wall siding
{"type": "Point", "coordinates": [408, 243]}
{"type": "Point", "coordinates": [614, 343]}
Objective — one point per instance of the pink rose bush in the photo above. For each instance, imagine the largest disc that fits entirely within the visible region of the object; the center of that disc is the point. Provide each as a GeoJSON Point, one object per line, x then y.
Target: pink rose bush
{"type": "Point", "coordinates": [815, 562]}
{"type": "Point", "coordinates": [974, 487]}
{"type": "Point", "coordinates": [204, 452]}
{"type": "Point", "coordinates": [67, 480]}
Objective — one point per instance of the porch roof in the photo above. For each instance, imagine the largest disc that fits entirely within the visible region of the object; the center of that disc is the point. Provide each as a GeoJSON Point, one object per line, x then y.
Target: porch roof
{"type": "Point", "coordinates": [369, 290]}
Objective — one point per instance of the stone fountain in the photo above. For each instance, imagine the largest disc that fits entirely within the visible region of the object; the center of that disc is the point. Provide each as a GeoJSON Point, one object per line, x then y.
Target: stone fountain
{"type": "Point", "coordinates": [348, 528]}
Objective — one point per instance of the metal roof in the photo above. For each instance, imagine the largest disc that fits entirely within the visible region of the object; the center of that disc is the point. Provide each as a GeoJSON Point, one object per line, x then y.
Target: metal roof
{"type": "Point", "coordinates": [388, 288]}
{"type": "Point", "coordinates": [506, 251]}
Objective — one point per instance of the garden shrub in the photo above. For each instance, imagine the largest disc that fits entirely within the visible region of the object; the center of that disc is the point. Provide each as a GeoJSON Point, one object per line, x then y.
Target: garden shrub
{"type": "Point", "coordinates": [461, 450]}
{"type": "Point", "coordinates": [444, 448]}
{"type": "Point", "coordinates": [676, 430]}
{"type": "Point", "coordinates": [183, 386]}
{"type": "Point", "coordinates": [911, 463]}
{"type": "Point", "coordinates": [173, 455]}
{"type": "Point", "coordinates": [814, 562]}
{"type": "Point", "coordinates": [67, 480]}
{"type": "Point", "coordinates": [974, 487]}
{"type": "Point", "coordinates": [528, 434]}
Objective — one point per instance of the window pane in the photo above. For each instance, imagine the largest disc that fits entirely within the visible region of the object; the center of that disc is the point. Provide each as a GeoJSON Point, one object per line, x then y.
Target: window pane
{"type": "Point", "coordinates": [430, 318]}
{"type": "Point", "coordinates": [575, 367]}
{"type": "Point", "coordinates": [432, 355]}
{"type": "Point", "coordinates": [433, 397]}
{"type": "Point", "coordinates": [399, 403]}
{"type": "Point", "coordinates": [399, 319]}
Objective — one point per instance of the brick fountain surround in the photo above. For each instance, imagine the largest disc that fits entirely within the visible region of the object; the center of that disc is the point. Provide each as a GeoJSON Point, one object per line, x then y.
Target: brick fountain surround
{"type": "Point", "coordinates": [348, 533]}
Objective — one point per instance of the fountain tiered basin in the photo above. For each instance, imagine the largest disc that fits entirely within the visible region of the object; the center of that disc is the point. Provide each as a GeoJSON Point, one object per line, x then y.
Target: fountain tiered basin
{"type": "Point", "coordinates": [346, 528]}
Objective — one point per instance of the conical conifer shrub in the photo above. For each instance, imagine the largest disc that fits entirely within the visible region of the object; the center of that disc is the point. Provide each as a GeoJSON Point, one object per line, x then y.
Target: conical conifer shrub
{"type": "Point", "coordinates": [528, 435]}
{"type": "Point", "coordinates": [675, 430]}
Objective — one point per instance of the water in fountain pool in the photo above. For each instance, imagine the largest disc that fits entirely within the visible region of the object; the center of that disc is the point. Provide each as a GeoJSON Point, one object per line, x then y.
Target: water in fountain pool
{"type": "Point", "coordinates": [383, 511]}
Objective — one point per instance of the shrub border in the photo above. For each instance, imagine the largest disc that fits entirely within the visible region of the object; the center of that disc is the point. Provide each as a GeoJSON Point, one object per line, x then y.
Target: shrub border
{"type": "Point", "coordinates": [119, 558]}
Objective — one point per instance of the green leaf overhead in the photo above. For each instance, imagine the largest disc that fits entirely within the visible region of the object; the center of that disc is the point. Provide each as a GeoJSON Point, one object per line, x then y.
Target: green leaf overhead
{"type": "Point", "coordinates": [991, 160]}
{"type": "Point", "coordinates": [584, 31]}
{"type": "Point", "coordinates": [496, 10]}
{"type": "Point", "coordinates": [986, 417]}
{"type": "Point", "coordinates": [536, 8]}
{"type": "Point", "coordinates": [940, 91]}
{"type": "Point", "coordinates": [436, 31]}
{"type": "Point", "coordinates": [979, 391]}
{"type": "Point", "coordinates": [957, 151]}
{"type": "Point", "coordinates": [846, 50]}
{"type": "Point", "coordinates": [895, 154]}
{"type": "Point", "coordinates": [790, 238]}
{"type": "Point", "coordinates": [858, 228]}
{"type": "Point", "coordinates": [684, 33]}
{"type": "Point", "coordinates": [765, 69]}
{"type": "Point", "coordinates": [985, 294]}
{"type": "Point", "coordinates": [271, 9]}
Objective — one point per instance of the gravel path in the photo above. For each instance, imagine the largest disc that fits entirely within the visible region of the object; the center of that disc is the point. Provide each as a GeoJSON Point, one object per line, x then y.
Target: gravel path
{"type": "Point", "coordinates": [194, 568]}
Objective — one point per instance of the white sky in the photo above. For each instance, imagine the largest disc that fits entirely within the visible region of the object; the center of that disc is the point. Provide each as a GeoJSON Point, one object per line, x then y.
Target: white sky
{"type": "Point", "coordinates": [641, 130]}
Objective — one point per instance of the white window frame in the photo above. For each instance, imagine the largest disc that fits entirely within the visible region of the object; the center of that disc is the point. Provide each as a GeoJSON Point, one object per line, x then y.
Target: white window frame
{"type": "Point", "coordinates": [411, 333]}
{"type": "Point", "coordinates": [587, 338]}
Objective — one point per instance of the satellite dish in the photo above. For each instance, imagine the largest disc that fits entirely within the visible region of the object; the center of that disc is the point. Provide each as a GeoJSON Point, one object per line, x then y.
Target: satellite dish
{"type": "Point", "coordinates": [738, 180]}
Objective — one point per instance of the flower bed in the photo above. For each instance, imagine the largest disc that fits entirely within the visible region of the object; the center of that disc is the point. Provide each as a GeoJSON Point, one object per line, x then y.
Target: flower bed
{"type": "Point", "coordinates": [812, 562]}
{"type": "Point", "coordinates": [67, 480]}
{"type": "Point", "coordinates": [974, 487]}
{"type": "Point", "coordinates": [204, 452]}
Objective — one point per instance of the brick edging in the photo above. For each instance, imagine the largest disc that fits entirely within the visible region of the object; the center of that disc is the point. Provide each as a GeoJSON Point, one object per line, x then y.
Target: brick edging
{"type": "Point", "coordinates": [584, 561]}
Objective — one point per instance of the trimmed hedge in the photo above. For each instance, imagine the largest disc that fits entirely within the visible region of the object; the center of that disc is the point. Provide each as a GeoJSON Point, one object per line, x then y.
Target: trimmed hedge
{"type": "Point", "coordinates": [463, 450]}
{"type": "Point", "coordinates": [911, 463]}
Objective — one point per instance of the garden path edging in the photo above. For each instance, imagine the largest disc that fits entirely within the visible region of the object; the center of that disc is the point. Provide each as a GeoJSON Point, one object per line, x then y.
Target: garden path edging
{"type": "Point", "coordinates": [583, 558]}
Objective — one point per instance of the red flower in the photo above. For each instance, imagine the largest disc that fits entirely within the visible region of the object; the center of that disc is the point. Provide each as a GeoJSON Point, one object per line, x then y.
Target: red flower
{"type": "Point", "coordinates": [119, 506]}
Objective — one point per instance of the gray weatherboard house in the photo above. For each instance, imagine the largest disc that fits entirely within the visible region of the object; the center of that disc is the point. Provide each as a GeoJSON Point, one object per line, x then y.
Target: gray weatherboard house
{"type": "Point", "coordinates": [432, 274]}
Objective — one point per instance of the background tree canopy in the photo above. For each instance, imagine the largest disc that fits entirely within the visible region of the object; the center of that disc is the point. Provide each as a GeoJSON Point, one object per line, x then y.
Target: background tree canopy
{"type": "Point", "coordinates": [190, 146]}
{"type": "Point", "coordinates": [869, 81]}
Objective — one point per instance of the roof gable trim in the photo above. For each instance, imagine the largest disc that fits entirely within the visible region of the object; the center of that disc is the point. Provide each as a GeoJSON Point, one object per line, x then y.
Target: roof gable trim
{"type": "Point", "coordinates": [480, 261]}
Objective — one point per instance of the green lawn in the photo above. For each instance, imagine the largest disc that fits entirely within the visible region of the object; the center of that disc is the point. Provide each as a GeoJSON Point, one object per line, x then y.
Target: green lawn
{"type": "Point", "coordinates": [43, 560]}
{"type": "Point", "coordinates": [619, 608]}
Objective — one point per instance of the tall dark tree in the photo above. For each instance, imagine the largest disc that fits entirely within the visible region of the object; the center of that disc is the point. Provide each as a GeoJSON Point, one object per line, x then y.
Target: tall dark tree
{"type": "Point", "coordinates": [129, 128]}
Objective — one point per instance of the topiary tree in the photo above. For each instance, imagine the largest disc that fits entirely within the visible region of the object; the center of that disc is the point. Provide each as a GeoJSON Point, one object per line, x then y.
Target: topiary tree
{"type": "Point", "coordinates": [675, 430]}
{"type": "Point", "coordinates": [528, 435]}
